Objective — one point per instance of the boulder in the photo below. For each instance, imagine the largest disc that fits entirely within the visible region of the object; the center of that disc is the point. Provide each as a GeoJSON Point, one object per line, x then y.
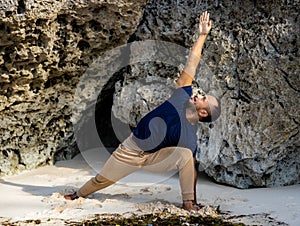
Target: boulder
{"type": "Point", "coordinates": [45, 46]}
{"type": "Point", "coordinates": [250, 61]}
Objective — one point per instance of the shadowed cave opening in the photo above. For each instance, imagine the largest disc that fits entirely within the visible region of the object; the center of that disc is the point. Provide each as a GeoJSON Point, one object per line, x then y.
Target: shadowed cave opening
{"type": "Point", "coordinates": [104, 115]}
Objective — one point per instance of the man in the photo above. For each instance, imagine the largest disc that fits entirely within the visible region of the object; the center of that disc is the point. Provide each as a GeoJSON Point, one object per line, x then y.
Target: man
{"type": "Point", "coordinates": [165, 139]}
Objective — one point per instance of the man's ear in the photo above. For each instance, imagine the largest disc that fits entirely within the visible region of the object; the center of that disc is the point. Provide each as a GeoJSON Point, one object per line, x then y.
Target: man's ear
{"type": "Point", "coordinates": [203, 113]}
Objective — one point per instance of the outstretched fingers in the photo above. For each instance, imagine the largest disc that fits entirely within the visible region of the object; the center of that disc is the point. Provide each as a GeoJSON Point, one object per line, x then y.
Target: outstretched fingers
{"type": "Point", "coordinates": [205, 23]}
{"type": "Point", "coordinates": [204, 18]}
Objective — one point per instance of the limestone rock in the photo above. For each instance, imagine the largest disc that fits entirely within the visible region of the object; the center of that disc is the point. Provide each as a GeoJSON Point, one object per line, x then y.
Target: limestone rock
{"type": "Point", "coordinates": [251, 61]}
{"type": "Point", "coordinates": [45, 46]}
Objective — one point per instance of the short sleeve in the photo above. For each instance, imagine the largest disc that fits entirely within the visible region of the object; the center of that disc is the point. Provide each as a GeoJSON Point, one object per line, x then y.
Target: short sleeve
{"type": "Point", "coordinates": [180, 96]}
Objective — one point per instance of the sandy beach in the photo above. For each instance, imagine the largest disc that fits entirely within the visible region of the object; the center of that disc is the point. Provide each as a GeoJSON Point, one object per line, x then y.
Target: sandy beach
{"type": "Point", "coordinates": [38, 194]}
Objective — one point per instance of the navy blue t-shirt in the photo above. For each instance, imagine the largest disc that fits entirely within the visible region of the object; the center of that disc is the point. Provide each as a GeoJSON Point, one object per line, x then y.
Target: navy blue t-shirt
{"type": "Point", "coordinates": [167, 126]}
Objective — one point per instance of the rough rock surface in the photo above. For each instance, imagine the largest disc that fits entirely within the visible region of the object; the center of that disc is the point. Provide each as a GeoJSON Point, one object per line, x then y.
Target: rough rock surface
{"type": "Point", "coordinates": [251, 61]}
{"type": "Point", "coordinates": [45, 46]}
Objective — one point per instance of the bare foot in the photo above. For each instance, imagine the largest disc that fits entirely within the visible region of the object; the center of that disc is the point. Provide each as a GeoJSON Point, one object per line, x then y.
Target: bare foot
{"type": "Point", "coordinates": [71, 196]}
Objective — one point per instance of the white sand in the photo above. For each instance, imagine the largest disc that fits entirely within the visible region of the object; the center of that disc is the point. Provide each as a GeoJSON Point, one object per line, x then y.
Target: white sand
{"type": "Point", "coordinates": [38, 194]}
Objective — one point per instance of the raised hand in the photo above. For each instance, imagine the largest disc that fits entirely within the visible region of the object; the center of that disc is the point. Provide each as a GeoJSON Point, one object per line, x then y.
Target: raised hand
{"type": "Point", "coordinates": [188, 74]}
{"type": "Point", "coordinates": [204, 24]}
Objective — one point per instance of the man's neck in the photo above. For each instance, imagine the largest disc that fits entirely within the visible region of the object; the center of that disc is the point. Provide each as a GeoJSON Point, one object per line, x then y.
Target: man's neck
{"type": "Point", "coordinates": [192, 116]}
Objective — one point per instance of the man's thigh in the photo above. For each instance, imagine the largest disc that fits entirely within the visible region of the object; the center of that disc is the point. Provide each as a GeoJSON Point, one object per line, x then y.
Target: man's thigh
{"type": "Point", "coordinates": [167, 159]}
{"type": "Point", "coordinates": [120, 164]}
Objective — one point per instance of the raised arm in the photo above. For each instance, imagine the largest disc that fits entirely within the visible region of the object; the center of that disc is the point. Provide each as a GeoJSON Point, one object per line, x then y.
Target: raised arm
{"type": "Point", "coordinates": [187, 76]}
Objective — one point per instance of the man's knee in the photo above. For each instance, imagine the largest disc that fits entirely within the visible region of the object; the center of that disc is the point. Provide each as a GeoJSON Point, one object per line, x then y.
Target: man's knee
{"type": "Point", "coordinates": [186, 153]}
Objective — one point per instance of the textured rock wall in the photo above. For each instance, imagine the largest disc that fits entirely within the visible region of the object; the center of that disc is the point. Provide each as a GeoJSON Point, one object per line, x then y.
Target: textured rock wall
{"type": "Point", "coordinates": [251, 61]}
{"type": "Point", "coordinates": [44, 48]}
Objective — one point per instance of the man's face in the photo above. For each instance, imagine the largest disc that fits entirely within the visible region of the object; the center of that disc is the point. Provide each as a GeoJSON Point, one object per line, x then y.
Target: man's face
{"type": "Point", "coordinates": [203, 103]}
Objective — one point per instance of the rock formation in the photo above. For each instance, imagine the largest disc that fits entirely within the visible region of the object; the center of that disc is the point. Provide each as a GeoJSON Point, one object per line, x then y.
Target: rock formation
{"type": "Point", "coordinates": [45, 46]}
{"type": "Point", "coordinates": [250, 60]}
